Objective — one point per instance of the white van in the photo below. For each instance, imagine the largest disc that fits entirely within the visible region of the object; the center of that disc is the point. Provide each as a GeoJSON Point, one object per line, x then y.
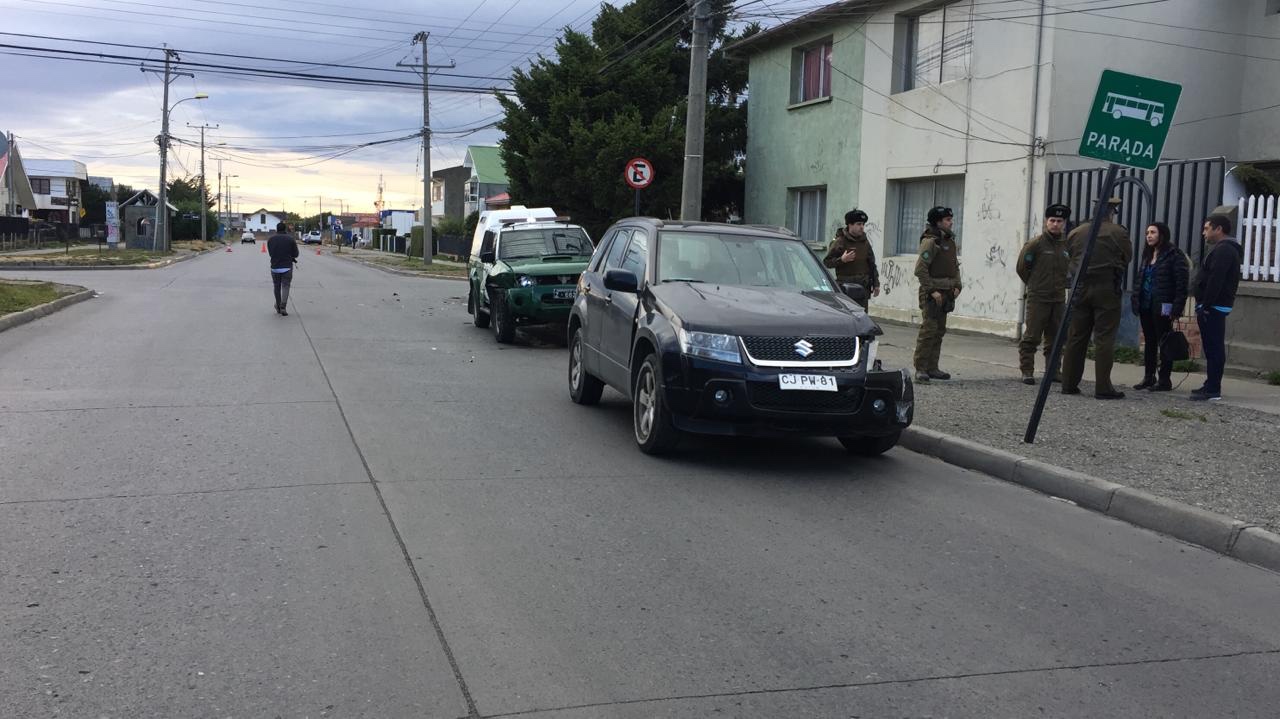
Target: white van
{"type": "Point", "coordinates": [492, 219]}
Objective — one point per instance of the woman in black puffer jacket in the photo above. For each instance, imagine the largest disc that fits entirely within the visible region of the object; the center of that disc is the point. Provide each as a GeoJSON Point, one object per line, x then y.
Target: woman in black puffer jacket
{"type": "Point", "coordinates": [1158, 300]}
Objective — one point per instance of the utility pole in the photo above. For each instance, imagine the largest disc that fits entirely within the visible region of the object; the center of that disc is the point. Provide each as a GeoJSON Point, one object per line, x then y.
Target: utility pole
{"type": "Point", "coordinates": [204, 192]}
{"type": "Point", "coordinates": [427, 240]}
{"type": "Point", "coordinates": [220, 193]}
{"type": "Point", "coordinates": [162, 214]}
{"type": "Point", "coordinates": [9, 207]}
{"type": "Point", "coordinates": [695, 119]}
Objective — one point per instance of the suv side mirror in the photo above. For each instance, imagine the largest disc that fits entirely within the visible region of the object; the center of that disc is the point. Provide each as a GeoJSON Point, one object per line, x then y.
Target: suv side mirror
{"type": "Point", "coordinates": [855, 291]}
{"type": "Point", "coordinates": [621, 281]}
{"type": "Point", "coordinates": [488, 257]}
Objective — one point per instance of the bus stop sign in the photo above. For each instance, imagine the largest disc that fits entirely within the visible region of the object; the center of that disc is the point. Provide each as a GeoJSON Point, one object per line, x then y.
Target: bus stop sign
{"type": "Point", "coordinates": [1129, 119]}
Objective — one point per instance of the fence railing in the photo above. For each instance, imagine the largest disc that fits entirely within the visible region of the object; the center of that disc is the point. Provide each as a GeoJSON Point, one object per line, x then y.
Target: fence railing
{"type": "Point", "coordinates": [1260, 237]}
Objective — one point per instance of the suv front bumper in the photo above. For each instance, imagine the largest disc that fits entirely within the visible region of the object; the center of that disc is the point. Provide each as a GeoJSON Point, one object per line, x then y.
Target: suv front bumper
{"type": "Point", "coordinates": [867, 403]}
{"type": "Point", "coordinates": [540, 305]}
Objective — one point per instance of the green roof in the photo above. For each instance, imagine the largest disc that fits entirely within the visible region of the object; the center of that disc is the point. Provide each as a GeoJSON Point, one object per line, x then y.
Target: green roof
{"type": "Point", "coordinates": [487, 164]}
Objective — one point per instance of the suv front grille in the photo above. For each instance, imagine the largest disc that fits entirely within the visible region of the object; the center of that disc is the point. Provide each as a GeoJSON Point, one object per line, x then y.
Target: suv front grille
{"type": "Point", "coordinates": [767, 395]}
{"type": "Point", "coordinates": [556, 279]}
{"type": "Point", "coordinates": [783, 349]}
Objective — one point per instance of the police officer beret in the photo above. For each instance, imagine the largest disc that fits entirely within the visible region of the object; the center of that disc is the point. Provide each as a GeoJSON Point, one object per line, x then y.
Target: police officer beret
{"type": "Point", "coordinates": [853, 216]}
{"type": "Point", "coordinates": [937, 213]}
{"type": "Point", "coordinates": [1115, 201]}
{"type": "Point", "coordinates": [1061, 211]}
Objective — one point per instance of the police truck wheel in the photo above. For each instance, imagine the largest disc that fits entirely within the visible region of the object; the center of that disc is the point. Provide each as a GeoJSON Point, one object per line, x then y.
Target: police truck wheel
{"type": "Point", "coordinates": [504, 329]}
{"type": "Point", "coordinates": [479, 317]}
{"type": "Point", "coordinates": [870, 446]}
{"type": "Point", "coordinates": [584, 389]}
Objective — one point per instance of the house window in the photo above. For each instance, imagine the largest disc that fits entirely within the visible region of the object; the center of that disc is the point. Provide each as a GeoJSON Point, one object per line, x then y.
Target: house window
{"type": "Point", "coordinates": [811, 72]}
{"type": "Point", "coordinates": [262, 219]}
{"type": "Point", "coordinates": [808, 210]}
{"type": "Point", "coordinates": [937, 46]}
{"type": "Point", "coordinates": [40, 185]}
{"type": "Point", "coordinates": [915, 198]}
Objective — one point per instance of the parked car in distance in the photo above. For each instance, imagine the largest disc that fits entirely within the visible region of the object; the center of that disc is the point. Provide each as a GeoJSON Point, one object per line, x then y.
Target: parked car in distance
{"type": "Point", "coordinates": [249, 237]}
{"type": "Point", "coordinates": [730, 329]}
{"type": "Point", "coordinates": [526, 273]}
{"type": "Point", "coordinates": [312, 238]}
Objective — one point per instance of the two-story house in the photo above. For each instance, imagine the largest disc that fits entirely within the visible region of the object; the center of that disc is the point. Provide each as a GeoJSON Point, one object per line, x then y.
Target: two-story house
{"type": "Point", "coordinates": [56, 187]}
{"type": "Point", "coordinates": [488, 184]}
{"type": "Point", "coordinates": [449, 193]}
{"type": "Point", "coordinates": [895, 106]}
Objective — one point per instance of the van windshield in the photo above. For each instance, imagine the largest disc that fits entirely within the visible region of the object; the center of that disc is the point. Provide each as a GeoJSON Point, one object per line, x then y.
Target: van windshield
{"type": "Point", "coordinates": [518, 244]}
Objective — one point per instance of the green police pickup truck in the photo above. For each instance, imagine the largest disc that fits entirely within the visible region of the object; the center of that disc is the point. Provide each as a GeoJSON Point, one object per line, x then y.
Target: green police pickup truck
{"type": "Point", "coordinates": [526, 273]}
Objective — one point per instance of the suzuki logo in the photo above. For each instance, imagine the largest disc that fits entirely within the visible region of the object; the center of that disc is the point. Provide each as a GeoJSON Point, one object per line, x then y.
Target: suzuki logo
{"type": "Point", "coordinates": [803, 348]}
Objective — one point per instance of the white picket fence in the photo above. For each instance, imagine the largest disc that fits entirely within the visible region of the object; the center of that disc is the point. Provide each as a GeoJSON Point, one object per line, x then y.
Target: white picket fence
{"type": "Point", "coordinates": [1260, 237]}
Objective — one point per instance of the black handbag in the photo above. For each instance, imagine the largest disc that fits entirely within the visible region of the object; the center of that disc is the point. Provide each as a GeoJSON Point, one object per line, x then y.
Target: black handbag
{"type": "Point", "coordinates": [1174, 346]}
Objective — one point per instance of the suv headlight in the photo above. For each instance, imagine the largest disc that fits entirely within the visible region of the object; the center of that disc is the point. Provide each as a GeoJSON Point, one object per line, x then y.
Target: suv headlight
{"type": "Point", "coordinates": [525, 281]}
{"type": "Point", "coordinates": [723, 348]}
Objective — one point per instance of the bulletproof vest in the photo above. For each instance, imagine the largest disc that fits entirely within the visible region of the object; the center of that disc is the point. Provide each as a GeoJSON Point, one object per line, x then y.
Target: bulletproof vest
{"type": "Point", "coordinates": [861, 265]}
{"type": "Point", "coordinates": [945, 261]}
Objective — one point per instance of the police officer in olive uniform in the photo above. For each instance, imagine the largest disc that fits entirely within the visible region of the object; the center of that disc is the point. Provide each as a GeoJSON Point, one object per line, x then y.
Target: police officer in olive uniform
{"type": "Point", "coordinates": [1097, 303]}
{"type": "Point", "coordinates": [851, 255]}
{"type": "Point", "coordinates": [1045, 266]}
{"type": "Point", "coordinates": [938, 270]}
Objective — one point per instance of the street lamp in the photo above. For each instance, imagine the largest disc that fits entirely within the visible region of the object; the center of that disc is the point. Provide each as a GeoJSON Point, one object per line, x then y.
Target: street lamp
{"type": "Point", "coordinates": [162, 214]}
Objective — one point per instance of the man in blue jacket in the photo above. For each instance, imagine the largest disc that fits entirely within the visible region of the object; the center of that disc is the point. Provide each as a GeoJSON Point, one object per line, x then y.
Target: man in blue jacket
{"type": "Point", "coordinates": [283, 250]}
{"type": "Point", "coordinates": [1215, 294]}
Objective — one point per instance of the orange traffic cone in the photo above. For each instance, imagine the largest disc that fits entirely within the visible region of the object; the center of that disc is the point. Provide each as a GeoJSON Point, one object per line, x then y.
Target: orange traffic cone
{"type": "Point", "coordinates": [317, 250]}
{"type": "Point", "coordinates": [264, 247]}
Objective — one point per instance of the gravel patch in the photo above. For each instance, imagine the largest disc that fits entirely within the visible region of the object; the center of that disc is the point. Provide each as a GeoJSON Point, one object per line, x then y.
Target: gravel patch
{"type": "Point", "coordinates": [1224, 459]}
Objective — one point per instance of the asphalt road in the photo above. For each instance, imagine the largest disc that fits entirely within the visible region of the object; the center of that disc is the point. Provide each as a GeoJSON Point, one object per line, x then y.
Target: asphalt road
{"type": "Point", "coordinates": [371, 509]}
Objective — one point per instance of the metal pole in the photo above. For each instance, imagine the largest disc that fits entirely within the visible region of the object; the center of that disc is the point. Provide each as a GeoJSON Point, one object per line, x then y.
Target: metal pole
{"type": "Point", "coordinates": [695, 119]}
{"type": "Point", "coordinates": [162, 219]}
{"type": "Point", "coordinates": [9, 207]}
{"type": "Point", "coordinates": [426, 157]}
{"type": "Point", "coordinates": [1047, 381]}
{"type": "Point", "coordinates": [220, 193]}
{"type": "Point", "coordinates": [637, 202]}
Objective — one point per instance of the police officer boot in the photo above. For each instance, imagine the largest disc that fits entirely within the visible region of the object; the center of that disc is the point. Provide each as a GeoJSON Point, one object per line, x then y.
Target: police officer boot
{"type": "Point", "coordinates": [922, 377]}
{"type": "Point", "coordinates": [1147, 382]}
{"type": "Point", "coordinates": [1028, 377]}
{"type": "Point", "coordinates": [938, 374]}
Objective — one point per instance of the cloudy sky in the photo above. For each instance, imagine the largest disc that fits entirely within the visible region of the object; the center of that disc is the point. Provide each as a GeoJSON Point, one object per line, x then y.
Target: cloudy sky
{"type": "Point", "coordinates": [276, 131]}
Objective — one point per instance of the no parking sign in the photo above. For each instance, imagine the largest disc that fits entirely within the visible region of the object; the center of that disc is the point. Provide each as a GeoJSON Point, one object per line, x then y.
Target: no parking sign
{"type": "Point", "coordinates": [639, 173]}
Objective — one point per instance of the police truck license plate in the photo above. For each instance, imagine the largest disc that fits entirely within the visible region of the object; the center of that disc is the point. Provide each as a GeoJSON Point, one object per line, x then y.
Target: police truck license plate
{"type": "Point", "coordinates": [565, 294]}
{"type": "Point", "coordinates": [812, 382]}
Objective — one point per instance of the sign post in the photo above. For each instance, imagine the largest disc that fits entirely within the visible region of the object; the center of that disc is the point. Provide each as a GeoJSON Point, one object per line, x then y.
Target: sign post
{"type": "Point", "coordinates": [639, 175]}
{"type": "Point", "coordinates": [1127, 125]}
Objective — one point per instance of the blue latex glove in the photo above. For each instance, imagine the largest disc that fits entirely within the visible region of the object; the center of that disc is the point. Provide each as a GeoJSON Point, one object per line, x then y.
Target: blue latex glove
{"type": "Point", "coordinates": [1166, 309]}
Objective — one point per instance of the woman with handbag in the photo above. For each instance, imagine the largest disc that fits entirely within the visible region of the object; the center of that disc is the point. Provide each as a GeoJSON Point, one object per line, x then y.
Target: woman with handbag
{"type": "Point", "coordinates": [1158, 302]}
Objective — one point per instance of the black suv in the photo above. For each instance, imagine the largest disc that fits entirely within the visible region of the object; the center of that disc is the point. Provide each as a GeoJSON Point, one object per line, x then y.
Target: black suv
{"type": "Point", "coordinates": [730, 329]}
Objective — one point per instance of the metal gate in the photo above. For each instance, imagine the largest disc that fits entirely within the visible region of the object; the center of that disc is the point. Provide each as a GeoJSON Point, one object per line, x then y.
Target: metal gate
{"type": "Point", "coordinates": [1185, 192]}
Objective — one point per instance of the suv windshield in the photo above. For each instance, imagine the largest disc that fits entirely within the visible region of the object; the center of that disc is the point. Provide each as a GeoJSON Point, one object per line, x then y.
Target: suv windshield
{"type": "Point", "coordinates": [739, 260]}
{"type": "Point", "coordinates": [517, 244]}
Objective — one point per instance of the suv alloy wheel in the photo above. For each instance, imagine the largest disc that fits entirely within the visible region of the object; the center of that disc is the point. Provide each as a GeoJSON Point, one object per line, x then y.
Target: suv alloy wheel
{"type": "Point", "coordinates": [650, 418]}
{"type": "Point", "coordinates": [583, 387]}
{"type": "Point", "coordinates": [504, 330]}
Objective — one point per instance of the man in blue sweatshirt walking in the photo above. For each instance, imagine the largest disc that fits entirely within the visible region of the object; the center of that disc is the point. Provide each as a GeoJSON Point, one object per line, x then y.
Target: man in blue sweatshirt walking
{"type": "Point", "coordinates": [1215, 292]}
{"type": "Point", "coordinates": [283, 250]}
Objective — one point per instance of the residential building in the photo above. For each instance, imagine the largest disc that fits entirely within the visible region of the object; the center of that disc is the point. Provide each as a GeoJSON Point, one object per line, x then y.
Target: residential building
{"type": "Point", "coordinates": [488, 179]}
{"type": "Point", "coordinates": [449, 192]}
{"type": "Point", "coordinates": [16, 198]}
{"type": "Point", "coordinates": [895, 106]}
{"type": "Point", "coordinates": [263, 220]}
{"type": "Point", "coordinates": [55, 185]}
{"type": "Point", "coordinates": [402, 221]}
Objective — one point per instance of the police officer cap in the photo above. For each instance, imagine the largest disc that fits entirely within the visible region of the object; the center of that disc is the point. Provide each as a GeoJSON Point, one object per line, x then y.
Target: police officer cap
{"type": "Point", "coordinates": [937, 213]}
{"type": "Point", "coordinates": [854, 216]}
{"type": "Point", "coordinates": [1061, 211]}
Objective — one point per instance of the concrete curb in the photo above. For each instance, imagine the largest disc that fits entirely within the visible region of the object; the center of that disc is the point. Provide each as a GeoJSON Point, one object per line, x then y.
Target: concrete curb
{"type": "Point", "coordinates": [34, 313]}
{"type": "Point", "coordinates": [1210, 530]}
{"type": "Point", "coordinates": [148, 266]}
{"type": "Point", "coordinates": [395, 271]}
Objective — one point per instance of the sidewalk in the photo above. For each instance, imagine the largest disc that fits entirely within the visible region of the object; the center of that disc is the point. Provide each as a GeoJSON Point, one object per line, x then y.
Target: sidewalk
{"type": "Point", "coordinates": [375, 254]}
{"type": "Point", "coordinates": [1219, 456]}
